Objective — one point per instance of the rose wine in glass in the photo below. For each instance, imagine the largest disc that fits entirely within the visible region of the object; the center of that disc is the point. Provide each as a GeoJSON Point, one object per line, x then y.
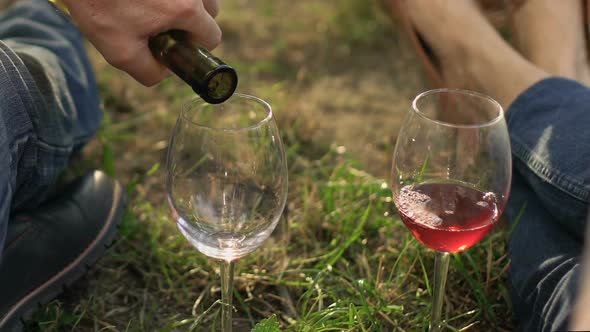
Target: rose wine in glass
{"type": "Point", "coordinates": [448, 217]}
{"type": "Point", "coordinates": [451, 175]}
{"type": "Point", "coordinates": [226, 181]}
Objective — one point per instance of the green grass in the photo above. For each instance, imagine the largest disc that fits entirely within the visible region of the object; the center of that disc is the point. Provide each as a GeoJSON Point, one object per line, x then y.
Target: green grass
{"type": "Point", "coordinates": [340, 261]}
{"type": "Point", "coordinates": [340, 258]}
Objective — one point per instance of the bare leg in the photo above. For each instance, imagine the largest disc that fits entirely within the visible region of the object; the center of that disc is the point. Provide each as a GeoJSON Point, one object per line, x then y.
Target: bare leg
{"type": "Point", "coordinates": [472, 54]}
{"type": "Point", "coordinates": [551, 35]}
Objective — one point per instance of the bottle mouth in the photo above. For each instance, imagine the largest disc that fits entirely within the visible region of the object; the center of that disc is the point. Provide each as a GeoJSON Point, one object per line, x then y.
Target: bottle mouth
{"type": "Point", "coordinates": [220, 84]}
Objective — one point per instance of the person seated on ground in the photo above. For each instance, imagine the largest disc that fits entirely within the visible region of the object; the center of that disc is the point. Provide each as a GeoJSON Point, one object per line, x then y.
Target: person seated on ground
{"type": "Point", "coordinates": [541, 83]}
{"type": "Point", "coordinates": [49, 108]}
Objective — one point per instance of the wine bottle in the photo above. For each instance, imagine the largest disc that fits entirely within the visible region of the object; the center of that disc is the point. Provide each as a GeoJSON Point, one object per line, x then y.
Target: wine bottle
{"type": "Point", "coordinates": [208, 76]}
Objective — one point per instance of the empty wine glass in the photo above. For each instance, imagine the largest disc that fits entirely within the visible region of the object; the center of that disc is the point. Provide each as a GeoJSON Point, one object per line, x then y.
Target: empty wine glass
{"type": "Point", "coordinates": [451, 175]}
{"type": "Point", "coordinates": [226, 181]}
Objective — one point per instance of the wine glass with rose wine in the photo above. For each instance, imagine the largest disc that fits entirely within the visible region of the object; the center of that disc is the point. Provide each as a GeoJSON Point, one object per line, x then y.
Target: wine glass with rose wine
{"type": "Point", "coordinates": [451, 175]}
{"type": "Point", "coordinates": [226, 181]}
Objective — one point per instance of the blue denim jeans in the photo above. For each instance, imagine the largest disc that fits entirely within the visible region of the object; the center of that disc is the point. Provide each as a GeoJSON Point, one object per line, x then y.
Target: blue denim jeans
{"type": "Point", "coordinates": [549, 130]}
{"type": "Point", "coordinates": [49, 104]}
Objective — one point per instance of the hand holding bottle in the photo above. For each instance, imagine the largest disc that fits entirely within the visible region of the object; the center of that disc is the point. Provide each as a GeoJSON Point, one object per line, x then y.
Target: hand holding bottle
{"type": "Point", "coordinates": [120, 30]}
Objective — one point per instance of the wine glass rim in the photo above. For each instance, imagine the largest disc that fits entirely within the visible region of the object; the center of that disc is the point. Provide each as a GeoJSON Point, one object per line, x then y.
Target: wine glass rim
{"type": "Point", "coordinates": [493, 121]}
{"type": "Point", "coordinates": [264, 104]}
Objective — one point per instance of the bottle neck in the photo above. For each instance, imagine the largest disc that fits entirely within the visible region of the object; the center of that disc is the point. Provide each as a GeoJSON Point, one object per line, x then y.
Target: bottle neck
{"type": "Point", "coordinates": [61, 5]}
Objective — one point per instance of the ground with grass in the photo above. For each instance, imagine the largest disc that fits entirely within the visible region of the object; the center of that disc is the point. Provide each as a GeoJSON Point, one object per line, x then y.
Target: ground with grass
{"type": "Point", "coordinates": [340, 79]}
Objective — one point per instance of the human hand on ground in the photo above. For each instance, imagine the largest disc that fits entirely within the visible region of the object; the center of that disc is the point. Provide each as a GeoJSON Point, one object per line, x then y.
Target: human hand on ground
{"type": "Point", "coordinates": [120, 29]}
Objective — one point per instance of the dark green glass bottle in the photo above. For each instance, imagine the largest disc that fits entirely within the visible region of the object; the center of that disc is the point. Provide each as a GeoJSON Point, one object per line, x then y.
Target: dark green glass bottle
{"type": "Point", "coordinates": [210, 78]}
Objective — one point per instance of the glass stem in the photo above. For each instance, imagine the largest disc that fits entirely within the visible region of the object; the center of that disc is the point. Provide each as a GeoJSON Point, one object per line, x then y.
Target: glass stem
{"type": "Point", "coordinates": [227, 283]}
{"type": "Point", "coordinates": [441, 267]}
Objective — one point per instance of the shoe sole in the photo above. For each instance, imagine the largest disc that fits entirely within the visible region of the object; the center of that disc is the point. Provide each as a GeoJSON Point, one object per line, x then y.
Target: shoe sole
{"type": "Point", "coordinates": [15, 319]}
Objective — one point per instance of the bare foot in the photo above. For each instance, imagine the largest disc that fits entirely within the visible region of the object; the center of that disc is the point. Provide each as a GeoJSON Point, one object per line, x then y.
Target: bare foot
{"type": "Point", "coordinates": [472, 54]}
{"type": "Point", "coordinates": [551, 35]}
